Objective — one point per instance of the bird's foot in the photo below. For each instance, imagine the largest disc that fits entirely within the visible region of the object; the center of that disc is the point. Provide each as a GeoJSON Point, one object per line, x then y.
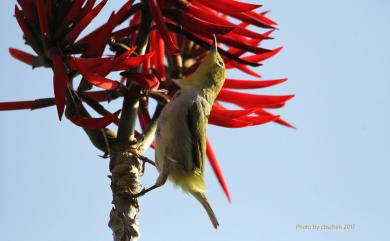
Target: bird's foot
{"type": "Point", "coordinates": [104, 156]}
{"type": "Point", "coordinates": [136, 195]}
{"type": "Point", "coordinates": [142, 192]}
{"type": "Point", "coordinates": [142, 158]}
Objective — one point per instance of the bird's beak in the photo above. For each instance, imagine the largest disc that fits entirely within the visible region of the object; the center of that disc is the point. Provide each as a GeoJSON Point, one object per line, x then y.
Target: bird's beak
{"type": "Point", "coordinates": [214, 45]}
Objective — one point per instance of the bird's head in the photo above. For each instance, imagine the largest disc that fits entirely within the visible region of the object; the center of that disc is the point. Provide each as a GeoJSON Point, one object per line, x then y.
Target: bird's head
{"type": "Point", "coordinates": [211, 73]}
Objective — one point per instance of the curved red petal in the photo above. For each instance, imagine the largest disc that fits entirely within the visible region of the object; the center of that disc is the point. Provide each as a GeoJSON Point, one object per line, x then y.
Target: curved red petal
{"type": "Point", "coordinates": [243, 68]}
{"type": "Point", "coordinates": [206, 14]}
{"type": "Point", "coordinates": [279, 120]}
{"type": "Point", "coordinates": [132, 62]}
{"type": "Point", "coordinates": [144, 119]}
{"type": "Point", "coordinates": [80, 26]}
{"type": "Point", "coordinates": [99, 96]}
{"type": "Point", "coordinates": [252, 34]}
{"type": "Point", "coordinates": [146, 81]}
{"type": "Point", "coordinates": [86, 9]}
{"type": "Point", "coordinates": [94, 78]}
{"type": "Point", "coordinates": [217, 169]}
{"type": "Point", "coordinates": [94, 123]}
{"type": "Point", "coordinates": [133, 23]}
{"type": "Point", "coordinates": [240, 122]}
{"type": "Point", "coordinates": [74, 10]}
{"type": "Point", "coordinates": [60, 82]}
{"type": "Point", "coordinates": [16, 105]}
{"type": "Point", "coordinates": [199, 26]}
{"type": "Point", "coordinates": [261, 17]}
{"type": "Point", "coordinates": [29, 104]}
{"type": "Point", "coordinates": [22, 56]}
{"type": "Point", "coordinates": [98, 39]}
{"type": "Point", "coordinates": [28, 9]}
{"type": "Point", "coordinates": [229, 6]}
{"type": "Point", "coordinates": [209, 15]}
{"type": "Point", "coordinates": [87, 63]}
{"type": "Point", "coordinates": [258, 120]}
{"type": "Point", "coordinates": [42, 17]}
{"type": "Point", "coordinates": [22, 23]}
{"type": "Point", "coordinates": [158, 60]}
{"type": "Point", "coordinates": [101, 82]}
{"type": "Point", "coordinates": [232, 113]}
{"type": "Point", "coordinates": [260, 57]}
{"type": "Point", "coordinates": [227, 122]}
{"type": "Point", "coordinates": [121, 13]}
{"type": "Point", "coordinates": [245, 98]}
{"type": "Point", "coordinates": [112, 63]}
{"type": "Point", "coordinates": [159, 19]}
{"type": "Point", "coordinates": [251, 84]}
{"type": "Point", "coordinates": [258, 21]}
{"type": "Point", "coordinates": [246, 45]}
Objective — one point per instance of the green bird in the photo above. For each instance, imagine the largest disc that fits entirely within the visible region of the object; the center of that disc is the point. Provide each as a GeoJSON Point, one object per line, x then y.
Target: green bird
{"type": "Point", "coordinates": [181, 130]}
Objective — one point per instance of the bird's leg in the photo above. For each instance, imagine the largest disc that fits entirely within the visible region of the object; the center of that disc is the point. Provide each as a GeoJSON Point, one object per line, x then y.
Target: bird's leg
{"type": "Point", "coordinates": [144, 159]}
{"type": "Point", "coordinates": [143, 192]}
{"type": "Point", "coordinates": [159, 182]}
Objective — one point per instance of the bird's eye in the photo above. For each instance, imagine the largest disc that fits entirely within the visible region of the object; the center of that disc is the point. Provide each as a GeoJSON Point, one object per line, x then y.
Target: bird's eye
{"type": "Point", "coordinates": [219, 63]}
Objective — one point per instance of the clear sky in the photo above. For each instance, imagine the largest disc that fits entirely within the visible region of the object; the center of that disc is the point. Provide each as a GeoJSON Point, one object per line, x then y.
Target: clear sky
{"type": "Point", "coordinates": [332, 170]}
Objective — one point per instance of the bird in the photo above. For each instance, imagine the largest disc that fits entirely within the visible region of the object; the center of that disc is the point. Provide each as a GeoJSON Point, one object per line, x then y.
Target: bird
{"type": "Point", "coordinates": [180, 150]}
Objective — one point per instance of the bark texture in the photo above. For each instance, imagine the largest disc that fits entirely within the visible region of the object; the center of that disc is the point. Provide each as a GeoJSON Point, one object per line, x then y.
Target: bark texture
{"type": "Point", "coordinates": [126, 170]}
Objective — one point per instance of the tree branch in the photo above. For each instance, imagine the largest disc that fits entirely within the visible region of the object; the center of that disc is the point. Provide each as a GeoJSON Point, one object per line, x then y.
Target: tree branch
{"type": "Point", "coordinates": [130, 103]}
{"type": "Point", "coordinates": [124, 165]}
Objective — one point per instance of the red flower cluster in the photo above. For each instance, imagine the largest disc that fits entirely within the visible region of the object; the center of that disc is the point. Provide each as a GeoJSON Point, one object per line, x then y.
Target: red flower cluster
{"type": "Point", "coordinates": [177, 36]}
{"type": "Point", "coordinates": [51, 28]}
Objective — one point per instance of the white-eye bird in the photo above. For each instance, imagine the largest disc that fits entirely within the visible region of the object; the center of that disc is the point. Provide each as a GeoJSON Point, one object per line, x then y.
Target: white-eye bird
{"type": "Point", "coordinates": [180, 151]}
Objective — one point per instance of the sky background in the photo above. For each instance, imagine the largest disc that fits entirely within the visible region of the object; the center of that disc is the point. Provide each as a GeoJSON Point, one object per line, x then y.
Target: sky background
{"type": "Point", "coordinates": [334, 169]}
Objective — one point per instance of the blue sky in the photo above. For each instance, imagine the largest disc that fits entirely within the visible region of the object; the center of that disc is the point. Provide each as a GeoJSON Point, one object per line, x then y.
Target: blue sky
{"type": "Point", "coordinates": [332, 170]}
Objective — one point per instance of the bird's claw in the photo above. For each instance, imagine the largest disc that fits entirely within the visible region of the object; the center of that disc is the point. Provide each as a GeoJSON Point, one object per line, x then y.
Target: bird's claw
{"type": "Point", "coordinates": [137, 195]}
{"type": "Point", "coordinates": [142, 158]}
{"type": "Point", "coordinates": [104, 156]}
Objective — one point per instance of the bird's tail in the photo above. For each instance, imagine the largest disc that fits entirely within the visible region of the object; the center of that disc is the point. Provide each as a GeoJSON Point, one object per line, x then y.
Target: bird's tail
{"type": "Point", "coordinates": [203, 200]}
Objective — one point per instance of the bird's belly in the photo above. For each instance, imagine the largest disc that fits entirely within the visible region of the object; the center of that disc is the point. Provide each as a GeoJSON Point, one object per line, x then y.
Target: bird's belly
{"type": "Point", "coordinates": [173, 146]}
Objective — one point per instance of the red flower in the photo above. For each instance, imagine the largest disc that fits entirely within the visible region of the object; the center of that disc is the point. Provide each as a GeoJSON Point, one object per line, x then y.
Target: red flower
{"type": "Point", "coordinates": [183, 28]}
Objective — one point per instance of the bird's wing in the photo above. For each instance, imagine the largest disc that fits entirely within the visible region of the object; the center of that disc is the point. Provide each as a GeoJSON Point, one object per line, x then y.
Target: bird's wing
{"type": "Point", "coordinates": [197, 124]}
